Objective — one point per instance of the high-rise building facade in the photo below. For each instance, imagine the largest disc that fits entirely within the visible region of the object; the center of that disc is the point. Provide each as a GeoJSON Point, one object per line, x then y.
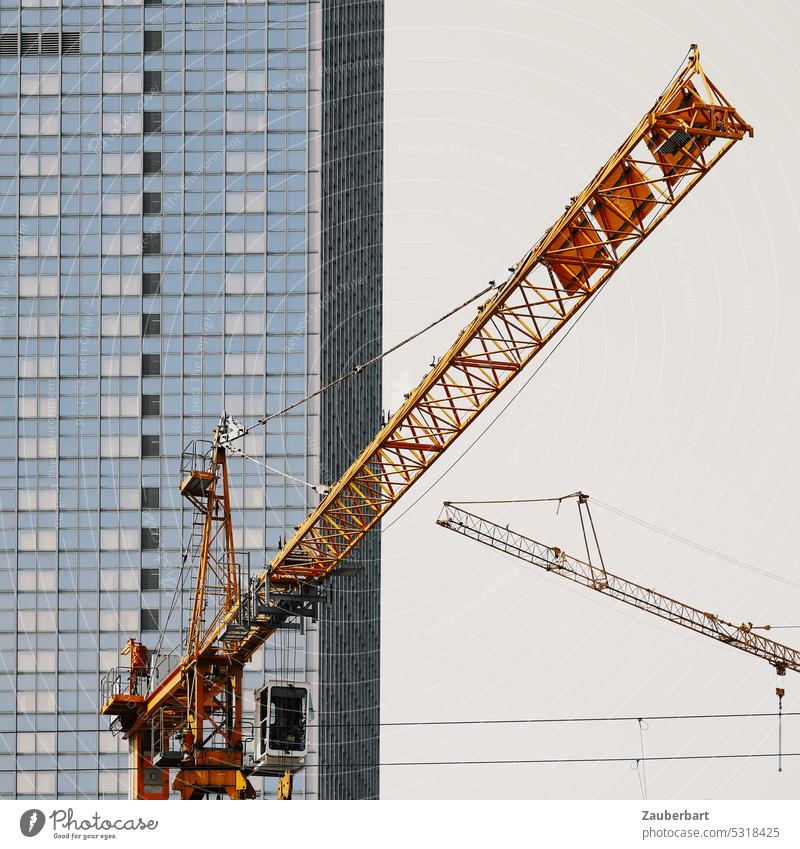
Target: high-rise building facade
{"type": "Point", "coordinates": [352, 206]}
{"type": "Point", "coordinates": [190, 223]}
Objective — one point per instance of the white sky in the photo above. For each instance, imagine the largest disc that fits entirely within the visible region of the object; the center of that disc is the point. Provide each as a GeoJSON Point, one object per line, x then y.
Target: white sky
{"type": "Point", "coordinates": [676, 400]}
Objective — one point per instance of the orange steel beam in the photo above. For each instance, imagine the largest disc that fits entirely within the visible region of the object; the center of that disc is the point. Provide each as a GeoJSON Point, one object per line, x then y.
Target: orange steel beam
{"type": "Point", "coordinates": [631, 194]}
{"type": "Point", "coordinates": [687, 131]}
{"type": "Point", "coordinates": [555, 561]}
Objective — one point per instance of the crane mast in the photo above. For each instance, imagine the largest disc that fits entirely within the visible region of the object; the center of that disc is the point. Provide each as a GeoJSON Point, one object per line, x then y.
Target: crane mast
{"type": "Point", "coordinates": [595, 577]}
{"type": "Point", "coordinates": [690, 127]}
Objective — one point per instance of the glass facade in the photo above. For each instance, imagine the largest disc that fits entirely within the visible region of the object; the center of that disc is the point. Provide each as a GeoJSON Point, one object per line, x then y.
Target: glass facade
{"type": "Point", "coordinates": [352, 206]}
{"type": "Point", "coordinates": [162, 228]}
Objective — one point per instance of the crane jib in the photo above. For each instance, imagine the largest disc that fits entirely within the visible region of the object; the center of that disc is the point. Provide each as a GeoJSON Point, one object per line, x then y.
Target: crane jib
{"type": "Point", "coordinates": [688, 130]}
{"type": "Point", "coordinates": [557, 562]}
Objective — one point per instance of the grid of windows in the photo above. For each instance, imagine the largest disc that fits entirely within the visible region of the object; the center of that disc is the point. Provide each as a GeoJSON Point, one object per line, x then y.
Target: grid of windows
{"type": "Point", "coordinates": [159, 262]}
{"type": "Point", "coordinates": [351, 173]}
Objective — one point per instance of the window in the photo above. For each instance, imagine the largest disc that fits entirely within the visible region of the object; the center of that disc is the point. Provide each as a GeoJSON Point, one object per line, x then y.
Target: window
{"type": "Point", "coordinates": [149, 579]}
{"type": "Point", "coordinates": [151, 404]}
{"type": "Point", "coordinates": [149, 616]}
{"type": "Point", "coordinates": [150, 444]}
{"type": "Point", "coordinates": [152, 202]}
{"type": "Point", "coordinates": [152, 82]}
{"type": "Point", "coordinates": [151, 324]}
{"type": "Point", "coordinates": [153, 39]}
{"type": "Point", "coordinates": [151, 243]}
{"type": "Point", "coordinates": [152, 2]}
{"type": "Point", "coordinates": [150, 539]}
{"type": "Point", "coordinates": [150, 496]}
{"type": "Point", "coordinates": [152, 123]}
{"type": "Point", "coordinates": [152, 160]}
{"type": "Point", "coordinates": [151, 283]}
{"type": "Point", "coordinates": [151, 365]}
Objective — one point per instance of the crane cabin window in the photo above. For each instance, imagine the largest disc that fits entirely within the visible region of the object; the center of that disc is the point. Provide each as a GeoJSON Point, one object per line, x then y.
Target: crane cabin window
{"type": "Point", "coordinates": [281, 719]}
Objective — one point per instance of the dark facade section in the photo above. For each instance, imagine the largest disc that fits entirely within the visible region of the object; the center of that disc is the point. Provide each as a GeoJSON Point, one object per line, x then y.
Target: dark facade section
{"type": "Point", "coordinates": [351, 323]}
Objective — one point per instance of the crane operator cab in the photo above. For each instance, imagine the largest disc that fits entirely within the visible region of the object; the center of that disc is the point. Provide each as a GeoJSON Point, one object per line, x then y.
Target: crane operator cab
{"type": "Point", "coordinates": [280, 728]}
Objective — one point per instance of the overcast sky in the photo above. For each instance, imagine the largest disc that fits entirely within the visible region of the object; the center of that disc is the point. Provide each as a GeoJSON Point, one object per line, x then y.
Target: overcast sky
{"type": "Point", "coordinates": [675, 400]}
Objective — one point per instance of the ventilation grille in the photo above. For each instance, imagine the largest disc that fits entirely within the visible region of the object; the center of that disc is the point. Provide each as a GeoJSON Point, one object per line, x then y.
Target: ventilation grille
{"type": "Point", "coordinates": [70, 42]}
{"type": "Point", "coordinates": [49, 44]}
{"type": "Point", "coordinates": [36, 44]}
{"type": "Point", "coordinates": [9, 44]}
{"type": "Point", "coordinates": [30, 43]}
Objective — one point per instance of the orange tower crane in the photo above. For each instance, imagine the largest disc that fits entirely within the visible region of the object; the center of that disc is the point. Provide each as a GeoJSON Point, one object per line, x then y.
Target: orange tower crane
{"type": "Point", "coordinates": [594, 575]}
{"type": "Point", "coordinates": [690, 127]}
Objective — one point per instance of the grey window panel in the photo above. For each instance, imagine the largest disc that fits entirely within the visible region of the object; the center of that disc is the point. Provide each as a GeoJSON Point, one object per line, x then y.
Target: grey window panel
{"type": "Point", "coordinates": [151, 497]}
{"type": "Point", "coordinates": [151, 324]}
{"type": "Point", "coordinates": [152, 82]}
{"type": "Point", "coordinates": [151, 203]}
{"type": "Point", "coordinates": [149, 579]}
{"type": "Point", "coordinates": [151, 405]}
{"type": "Point", "coordinates": [153, 40]}
{"type": "Point", "coordinates": [152, 162]}
{"type": "Point", "coordinates": [151, 244]}
{"type": "Point", "coordinates": [151, 445]}
{"type": "Point", "coordinates": [149, 616]}
{"type": "Point", "coordinates": [151, 283]}
{"type": "Point", "coordinates": [151, 365]}
{"type": "Point", "coordinates": [150, 539]}
{"type": "Point", "coordinates": [152, 122]}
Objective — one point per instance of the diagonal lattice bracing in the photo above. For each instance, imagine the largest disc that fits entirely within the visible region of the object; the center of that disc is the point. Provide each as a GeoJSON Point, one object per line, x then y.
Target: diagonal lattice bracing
{"type": "Point", "coordinates": [555, 561]}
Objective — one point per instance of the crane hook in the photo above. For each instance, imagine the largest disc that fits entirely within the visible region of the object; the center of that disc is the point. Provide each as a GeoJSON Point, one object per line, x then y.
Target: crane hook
{"type": "Point", "coordinates": [780, 692]}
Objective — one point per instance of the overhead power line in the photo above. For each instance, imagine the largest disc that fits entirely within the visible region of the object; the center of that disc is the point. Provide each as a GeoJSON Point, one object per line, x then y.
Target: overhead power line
{"type": "Point", "coordinates": [544, 720]}
{"type": "Point", "coordinates": [696, 545]}
{"type": "Point", "coordinates": [629, 759]}
{"type": "Point", "coordinates": [511, 761]}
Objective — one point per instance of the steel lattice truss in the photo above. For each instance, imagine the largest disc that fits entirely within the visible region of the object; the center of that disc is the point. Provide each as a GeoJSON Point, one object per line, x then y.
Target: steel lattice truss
{"type": "Point", "coordinates": [556, 562]}
{"type": "Point", "coordinates": [688, 130]}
